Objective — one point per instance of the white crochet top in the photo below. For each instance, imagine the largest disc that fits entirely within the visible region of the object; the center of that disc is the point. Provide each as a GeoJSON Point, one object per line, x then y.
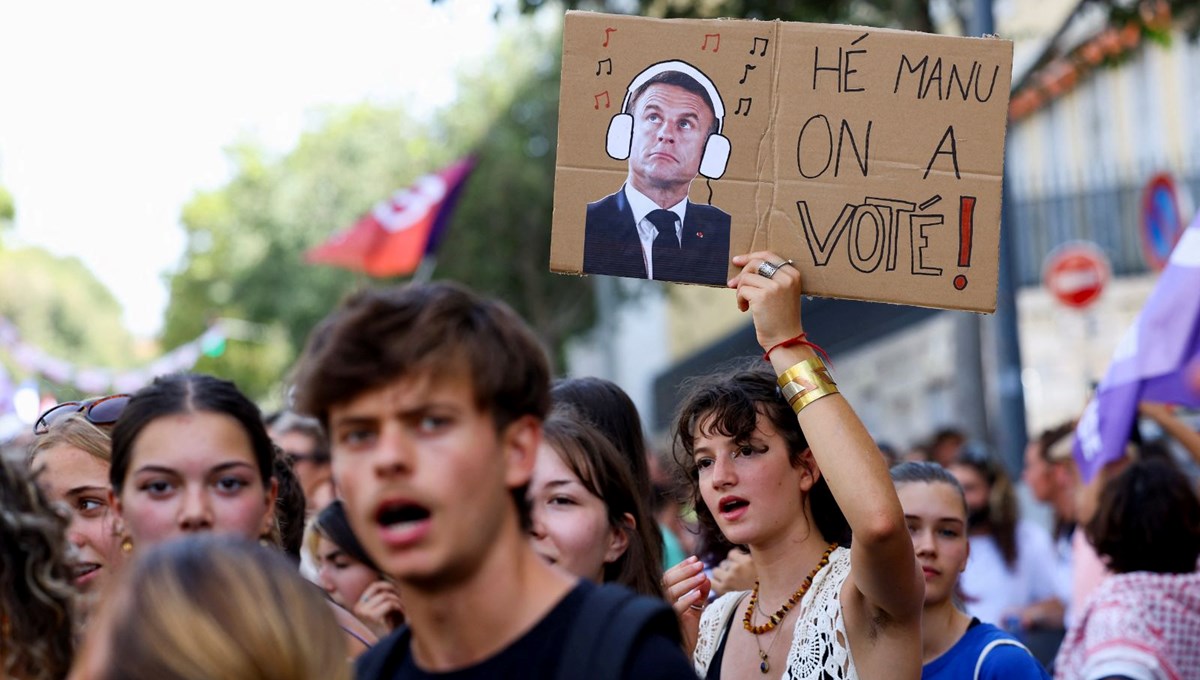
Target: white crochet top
{"type": "Point", "coordinates": [820, 647]}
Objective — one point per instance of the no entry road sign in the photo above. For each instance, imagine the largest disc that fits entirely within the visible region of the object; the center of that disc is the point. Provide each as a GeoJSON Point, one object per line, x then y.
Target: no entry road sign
{"type": "Point", "coordinates": [1075, 273]}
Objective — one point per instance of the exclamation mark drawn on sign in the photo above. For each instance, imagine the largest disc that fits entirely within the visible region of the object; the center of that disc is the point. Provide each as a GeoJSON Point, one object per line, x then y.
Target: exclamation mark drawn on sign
{"type": "Point", "coordinates": [966, 224]}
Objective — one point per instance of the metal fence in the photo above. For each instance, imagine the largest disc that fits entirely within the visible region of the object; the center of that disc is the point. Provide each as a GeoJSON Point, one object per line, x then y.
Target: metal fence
{"type": "Point", "coordinates": [1107, 212]}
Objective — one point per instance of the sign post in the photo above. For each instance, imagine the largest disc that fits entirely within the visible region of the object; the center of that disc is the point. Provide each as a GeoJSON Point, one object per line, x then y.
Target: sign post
{"type": "Point", "coordinates": [1075, 273]}
{"type": "Point", "coordinates": [1162, 220]}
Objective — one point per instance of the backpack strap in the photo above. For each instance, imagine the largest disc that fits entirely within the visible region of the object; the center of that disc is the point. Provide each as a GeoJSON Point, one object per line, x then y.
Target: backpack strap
{"type": "Point", "coordinates": [992, 645]}
{"type": "Point", "coordinates": [385, 658]}
{"type": "Point", "coordinates": [610, 622]}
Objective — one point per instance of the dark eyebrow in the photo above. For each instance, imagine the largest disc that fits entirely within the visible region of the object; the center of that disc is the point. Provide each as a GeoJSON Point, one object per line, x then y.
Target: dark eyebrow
{"type": "Point", "coordinates": [954, 520]}
{"type": "Point", "coordinates": [231, 464]}
{"type": "Point", "coordinates": [417, 411]}
{"type": "Point", "coordinates": [333, 554]}
{"type": "Point", "coordinates": [342, 421]}
{"type": "Point", "coordinates": [156, 468]}
{"type": "Point", "coordinates": [86, 488]}
{"type": "Point", "coordinates": [170, 471]}
{"type": "Point", "coordinates": [560, 482]}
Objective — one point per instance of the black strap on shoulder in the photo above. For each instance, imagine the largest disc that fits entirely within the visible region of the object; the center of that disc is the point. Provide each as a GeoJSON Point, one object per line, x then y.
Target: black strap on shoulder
{"type": "Point", "coordinates": [384, 659]}
{"type": "Point", "coordinates": [610, 622]}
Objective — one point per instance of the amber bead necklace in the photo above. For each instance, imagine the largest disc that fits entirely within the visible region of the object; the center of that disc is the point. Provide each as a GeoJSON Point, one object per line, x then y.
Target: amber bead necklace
{"type": "Point", "coordinates": [777, 618]}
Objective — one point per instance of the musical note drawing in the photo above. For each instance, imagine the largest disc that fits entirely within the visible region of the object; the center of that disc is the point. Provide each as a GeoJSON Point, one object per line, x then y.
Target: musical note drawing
{"type": "Point", "coordinates": [715, 47]}
{"type": "Point", "coordinates": [607, 103]}
{"type": "Point", "coordinates": [739, 107]}
{"type": "Point", "coordinates": [602, 62]}
{"type": "Point", "coordinates": [749, 68]}
{"type": "Point", "coordinates": [764, 46]}
{"type": "Point", "coordinates": [607, 31]}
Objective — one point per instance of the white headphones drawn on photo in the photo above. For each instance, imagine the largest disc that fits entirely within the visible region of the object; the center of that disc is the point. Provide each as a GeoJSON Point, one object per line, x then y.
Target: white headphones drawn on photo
{"type": "Point", "coordinates": [716, 148]}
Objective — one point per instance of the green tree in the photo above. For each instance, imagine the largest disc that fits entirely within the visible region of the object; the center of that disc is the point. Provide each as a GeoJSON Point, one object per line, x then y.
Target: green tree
{"type": "Point", "coordinates": [7, 212]}
{"type": "Point", "coordinates": [7, 208]}
{"type": "Point", "coordinates": [244, 257]}
{"type": "Point", "coordinates": [917, 15]}
{"type": "Point", "coordinates": [60, 307]}
{"type": "Point", "coordinates": [500, 239]}
{"type": "Point", "coordinates": [910, 14]}
{"type": "Point", "coordinates": [246, 240]}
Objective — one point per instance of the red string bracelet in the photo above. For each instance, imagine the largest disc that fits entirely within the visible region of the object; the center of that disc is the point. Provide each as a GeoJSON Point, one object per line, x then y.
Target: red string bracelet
{"type": "Point", "coordinates": [798, 340]}
{"type": "Point", "coordinates": [790, 342]}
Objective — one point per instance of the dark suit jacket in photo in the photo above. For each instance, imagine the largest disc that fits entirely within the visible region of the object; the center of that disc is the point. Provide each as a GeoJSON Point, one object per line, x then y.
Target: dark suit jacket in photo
{"type": "Point", "coordinates": [611, 245]}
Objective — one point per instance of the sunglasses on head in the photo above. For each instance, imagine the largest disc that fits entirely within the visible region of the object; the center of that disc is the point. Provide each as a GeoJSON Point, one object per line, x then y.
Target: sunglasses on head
{"type": "Point", "coordinates": [98, 411]}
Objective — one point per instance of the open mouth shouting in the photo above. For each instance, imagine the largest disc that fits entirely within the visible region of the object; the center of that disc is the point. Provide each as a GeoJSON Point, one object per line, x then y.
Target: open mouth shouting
{"type": "Point", "coordinates": [402, 523]}
{"type": "Point", "coordinates": [84, 573]}
{"type": "Point", "coordinates": [730, 508]}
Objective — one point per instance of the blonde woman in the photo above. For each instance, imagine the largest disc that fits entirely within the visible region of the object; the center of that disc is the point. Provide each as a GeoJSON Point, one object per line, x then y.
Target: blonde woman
{"type": "Point", "coordinates": [209, 606]}
{"type": "Point", "coordinates": [70, 459]}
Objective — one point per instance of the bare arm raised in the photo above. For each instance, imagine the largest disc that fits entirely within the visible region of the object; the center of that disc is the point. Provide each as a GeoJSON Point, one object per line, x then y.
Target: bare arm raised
{"type": "Point", "coordinates": [885, 570]}
{"type": "Point", "coordinates": [1164, 415]}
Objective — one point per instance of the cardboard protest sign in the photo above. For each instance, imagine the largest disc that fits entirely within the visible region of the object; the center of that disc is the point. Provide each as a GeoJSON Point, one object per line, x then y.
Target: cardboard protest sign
{"type": "Point", "coordinates": [873, 158]}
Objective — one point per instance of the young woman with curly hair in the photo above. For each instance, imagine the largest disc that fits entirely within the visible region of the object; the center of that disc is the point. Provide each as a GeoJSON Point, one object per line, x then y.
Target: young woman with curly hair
{"type": "Point", "coordinates": [778, 462]}
{"type": "Point", "coordinates": [36, 620]}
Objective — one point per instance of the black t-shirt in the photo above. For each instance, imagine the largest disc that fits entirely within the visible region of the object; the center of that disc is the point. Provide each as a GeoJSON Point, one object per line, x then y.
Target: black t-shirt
{"type": "Point", "coordinates": [536, 654]}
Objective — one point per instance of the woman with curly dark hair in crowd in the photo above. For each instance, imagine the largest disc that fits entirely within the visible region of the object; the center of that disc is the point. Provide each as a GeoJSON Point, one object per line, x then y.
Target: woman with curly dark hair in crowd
{"type": "Point", "coordinates": [778, 461]}
{"type": "Point", "coordinates": [1144, 620]}
{"type": "Point", "coordinates": [36, 621]}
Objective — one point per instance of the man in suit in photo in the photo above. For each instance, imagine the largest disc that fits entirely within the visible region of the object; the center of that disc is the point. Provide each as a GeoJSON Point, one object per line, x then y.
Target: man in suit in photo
{"type": "Point", "coordinates": [649, 229]}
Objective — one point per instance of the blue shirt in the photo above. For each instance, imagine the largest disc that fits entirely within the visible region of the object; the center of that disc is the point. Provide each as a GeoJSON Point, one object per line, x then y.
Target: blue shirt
{"type": "Point", "coordinates": [1005, 661]}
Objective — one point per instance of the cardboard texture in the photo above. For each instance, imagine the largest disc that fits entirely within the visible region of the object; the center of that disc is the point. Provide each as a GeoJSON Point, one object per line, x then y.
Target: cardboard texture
{"type": "Point", "coordinates": [873, 158]}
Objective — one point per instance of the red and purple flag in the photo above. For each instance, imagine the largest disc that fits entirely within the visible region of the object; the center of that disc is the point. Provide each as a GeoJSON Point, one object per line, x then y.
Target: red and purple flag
{"type": "Point", "coordinates": [1155, 361]}
{"type": "Point", "coordinates": [400, 230]}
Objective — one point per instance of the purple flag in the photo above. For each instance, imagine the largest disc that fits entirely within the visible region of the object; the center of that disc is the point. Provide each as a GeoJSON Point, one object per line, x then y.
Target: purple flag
{"type": "Point", "coordinates": [1152, 361]}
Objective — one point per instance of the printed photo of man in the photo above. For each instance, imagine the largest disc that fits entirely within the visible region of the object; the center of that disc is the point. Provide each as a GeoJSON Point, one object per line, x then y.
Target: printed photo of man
{"type": "Point", "coordinates": [670, 132]}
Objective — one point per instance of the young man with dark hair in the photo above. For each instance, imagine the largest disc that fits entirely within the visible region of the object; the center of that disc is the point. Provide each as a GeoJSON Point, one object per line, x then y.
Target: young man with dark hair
{"type": "Point", "coordinates": [433, 398]}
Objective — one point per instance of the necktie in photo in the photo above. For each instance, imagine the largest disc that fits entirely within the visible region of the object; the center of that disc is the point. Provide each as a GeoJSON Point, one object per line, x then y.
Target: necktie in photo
{"type": "Point", "coordinates": [665, 253]}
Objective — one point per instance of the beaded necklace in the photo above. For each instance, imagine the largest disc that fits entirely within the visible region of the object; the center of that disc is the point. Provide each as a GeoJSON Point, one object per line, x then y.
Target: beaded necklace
{"type": "Point", "coordinates": [777, 618]}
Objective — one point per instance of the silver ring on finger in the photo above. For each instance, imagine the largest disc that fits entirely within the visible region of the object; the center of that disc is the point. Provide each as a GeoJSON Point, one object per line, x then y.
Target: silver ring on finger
{"type": "Point", "coordinates": [697, 607]}
{"type": "Point", "coordinates": [786, 263]}
{"type": "Point", "coordinates": [767, 270]}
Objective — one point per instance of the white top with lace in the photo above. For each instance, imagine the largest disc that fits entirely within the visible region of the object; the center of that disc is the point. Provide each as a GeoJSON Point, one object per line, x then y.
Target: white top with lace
{"type": "Point", "coordinates": [820, 647]}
